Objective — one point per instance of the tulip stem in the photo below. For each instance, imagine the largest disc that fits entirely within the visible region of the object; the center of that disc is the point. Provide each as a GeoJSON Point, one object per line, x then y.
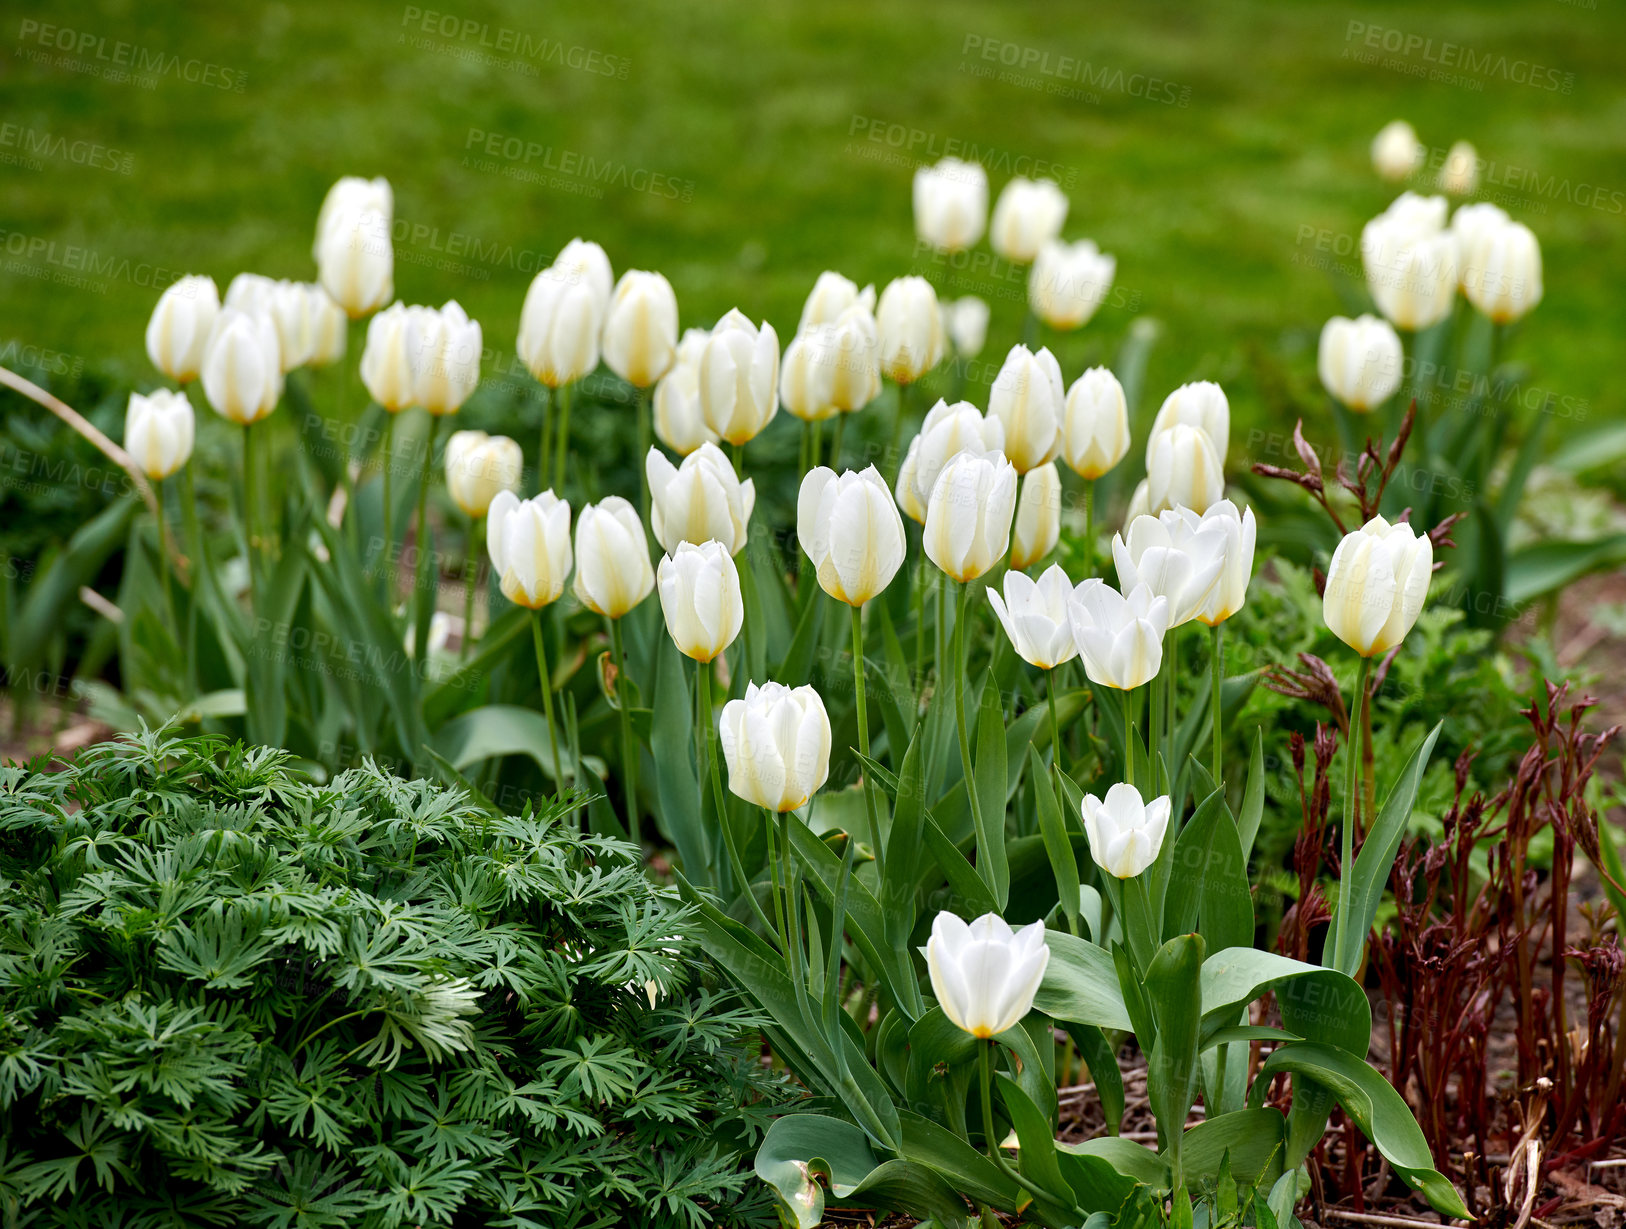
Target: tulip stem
{"type": "Point", "coordinates": [817, 443]}
{"type": "Point", "coordinates": [250, 504]}
{"type": "Point", "coordinates": [471, 577]}
{"type": "Point", "coordinates": [1061, 797]}
{"type": "Point", "coordinates": [1089, 527]}
{"type": "Point", "coordinates": [1169, 723]}
{"type": "Point", "coordinates": [985, 863]}
{"type": "Point", "coordinates": [160, 520]}
{"type": "Point", "coordinates": [835, 443]}
{"type": "Point", "coordinates": [1346, 865]}
{"type": "Point", "coordinates": [388, 510]}
{"type": "Point", "coordinates": [986, 1069]}
{"type": "Point", "coordinates": [561, 456]}
{"type": "Point", "coordinates": [919, 588]}
{"type": "Point", "coordinates": [779, 873]}
{"type": "Point", "coordinates": [875, 834]}
{"type": "Point", "coordinates": [547, 703]}
{"type": "Point", "coordinates": [1129, 736]}
{"type": "Point", "coordinates": [644, 410]}
{"type": "Point", "coordinates": [705, 730]}
{"type": "Point", "coordinates": [1154, 721]}
{"type": "Point", "coordinates": [1214, 702]}
{"type": "Point", "coordinates": [199, 573]}
{"type": "Point", "coordinates": [629, 747]}
{"type": "Point", "coordinates": [548, 399]}
{"type": "Point", "coordinates": [422, 604]}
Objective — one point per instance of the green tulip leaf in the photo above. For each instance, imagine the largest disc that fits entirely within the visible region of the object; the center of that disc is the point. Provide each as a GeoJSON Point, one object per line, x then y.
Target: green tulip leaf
{"type": "Point", "coordinates": [1080, 984]}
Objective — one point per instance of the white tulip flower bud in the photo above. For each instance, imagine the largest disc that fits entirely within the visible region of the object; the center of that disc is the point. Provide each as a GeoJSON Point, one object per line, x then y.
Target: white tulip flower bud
{"type": "Point", "coordinates": [1459, 174]}
{"type": "Point", "coordinates": [1183, 470]}
{"type": "Point", "coordinates": [1411, 261]}
{"type": "Point", "coordinates": [388, 368]}
{"type": "Point", "coordinates": [446, 359]}
{"type": "Point", "coordinates": [948, 429]}
{"type": "Point", "coordinates": [641, 331]}
{"type": "Point", "coordinates": [1469, 225]}
{"type": "Point", "coordinates": [911, 328]}
{"type": "Point", "coordinates": [679, 424]}
{"type": "Point", "coordinates": [805, 378]}
{"type": "Point", "coordinates": [951, 204]}
{"type": "Point", "coordinates": [1095, 424]}
{"type": "Point", "coordinates": [1396, 151]}
{"type": "Point", "coordinates": [1376, 585]}
{"type": "Point", "coordinates": [1125, 832]}
{"type": "Point", "coordinates": [1038, 517]}
{"type": "Point", "coordinates": [355, 260]}
{"type": "Point", "coordinates": [1502, 276]}
{"type": "Point", "coordinates": [478, 467]}
{"type": "Point", "coordinates": [1201, 404]}
{"type": "Point", "coordinates": [701, 500]}
{"type": "Point", "coordinates": [1027, 215]}
{"type": "Point", "coordinates": [850, 529]}
{"type": "Point", "coordinates": [1120, 639]}
{"type": "Point", "coordinates": [563, 316]}
{"type": "Point", "coordinates": [1360, 361]}
{"type": "Point", "coordinates": [180, 325]}
{"type": "Point", "coordinates": [529, 544]}
{"type": "Point", "coordinates": [985, 975]}
{"type": "Point", "coordinates": [613, 572]}
{"type": "Point", "coordinates": [242, 367]}
{"type": "Point", "coordinates": [776, 743]}
{"type": "Point", "coordinates": [1174, 555]}
{"type": "Point", "coordinates": [158, 431]}
{"type": "Point", "coordinates": [739, 378]}
{"type": "Point", "coordinates": [965, 320]}
{"type": "Point", "coordinates": [833, 294]}
{"type": "Point", "coordinates": [700, 599]}
{"type": "Point", "coordinates": [1034, 616]}
{"type": "Point", "coordinates": [1230, 594]}
{"type": "Point", "coordinates": [1028, 399]}
{"type": "Point", "coordinates": [349, 195]}
{"type": "Point", "coordinates": [968, 516]}
{"type": "Point", "coordinates": [1068, 282]}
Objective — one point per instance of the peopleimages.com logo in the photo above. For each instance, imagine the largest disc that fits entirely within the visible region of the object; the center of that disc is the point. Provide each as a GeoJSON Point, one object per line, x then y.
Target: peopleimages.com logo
{"type": "Point", "coordinates": [85, 49]}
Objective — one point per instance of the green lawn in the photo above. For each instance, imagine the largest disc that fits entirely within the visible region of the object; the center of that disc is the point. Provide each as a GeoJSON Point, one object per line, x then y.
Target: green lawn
{"type": "Point", "coordinates": [1200, 144]}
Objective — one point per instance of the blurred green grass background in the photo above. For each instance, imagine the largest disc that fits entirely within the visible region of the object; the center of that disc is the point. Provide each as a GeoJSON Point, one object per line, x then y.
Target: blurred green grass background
{"type": "Point", "coordinates": [1220, 151]}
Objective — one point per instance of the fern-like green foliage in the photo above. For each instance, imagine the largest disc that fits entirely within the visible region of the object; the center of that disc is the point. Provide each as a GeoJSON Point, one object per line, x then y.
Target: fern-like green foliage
{"type": "Point", "coordinates": [229, 997]}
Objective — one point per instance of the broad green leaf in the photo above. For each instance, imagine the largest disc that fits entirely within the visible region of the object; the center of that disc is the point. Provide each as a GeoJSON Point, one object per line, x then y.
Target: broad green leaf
{"type": "Point", "coordinates": [801, 1149]}
{"type": "Point", "coordinates": [496, 730]}
{"type": "Point", "coordinates": [1036, 1156]}
{"type": "Point", "coordinates": [1054, 831]}
{"type": "Point", "coordinates": [1545, 567]}
{"type": "Point", "coordinates": [1173, 989]}
{"type": "Point", "coordinates": [1080, 984]}
{"type": "Point", "coordinates": [1097, 1054]}
{"type": "Point", "coordinates": [990, 784]}
{"type": "Point", "coordinates": [1134, 1161]}
{"type": "Point", "coordinates": [1253, 1139]}
{"type": "Point", "coordinates": [971, 1173]}
{"type": "Point", "coordinates": [1209, 890]}
{"type": "Point", "coordinates": [672, 749]}
{"type": "Point", "coordinates": [1234, 978]}
{"type": "Point", "coordinates": [961, 876]}
{"type": "Point", "coordinates": [1253, 798]}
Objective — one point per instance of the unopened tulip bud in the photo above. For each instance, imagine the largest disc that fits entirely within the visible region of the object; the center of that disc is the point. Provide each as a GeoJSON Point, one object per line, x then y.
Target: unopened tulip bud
{"type": "Point", "coordinates": [478, 467]}
{"type": "Point", "coordinates": [1028, 400]}
{"type": "Point", "coordinates": [349, 195]}
{"type": "Point", "coordinates": [776, 742]}
{"type": "Point", "coordinates": [563, 316]}
{"type": "Point", "coordinates": [1095, 425]}
{"type": "Point", "coordinates": [833, 294]}
{"type": "Point", "coordinates": [242, 367]}
{"type": "Point", "coordinates": [965, 320]}
{"type": "Point", "coordinates": [1411, 261]}
{"type": "Point", "coordinates": [1459, 175]}
{"type": "Point", "coordinates": [180, 325]}
{"type": "Point", "coordinates": [911, 329]}
{"type": "Point", "coordinates": [951, 204]}
{"type": "Point", "coordinates": [700, 599]}
{"type": "Point", "coordinates": [1201, 404]}
{"type": "Point", "coordinates": [985, 975]}
{"type": "Point", "coordinates": [948, 429]}
{"type": "Point", "coordinates": [1038, 517]}
{"type": "Point", "coordinates": [529, 544]}
{"type": "Point", "coordinates": [1359, 361]}
{"type": "Point", "coordinates": [701, 500]}
{"type": "Point", "coordinates": [739, 378]}
{"type": "Point", "coordinates": [446, 359]}
{"type": "Point", "coordinates": [1027, 215]}
{"type": "Point", "coordinates": [1183, 471]}
{"type": "Point", "coordinates": [1125, 833]}
{"type": "Point", "coordinates": [387, 358]}
{"type": "Point", "coordinates": [1068, 282]}
{"type": "Point", "coordinates": [641, 331]}
{"type": "Point", "coordinates": [158, 431]}
{"type": "Point", "coordinates": [613, 572]}
{"type": "Point", "coordinates": [355, 261]}
{"type": "Point", "coordinates": [1377, 583]}
{"type": "Point", "coordinates": [1396, 151]}
{"type": "Point", "coordinates": [968, 517]}
{"type": "Point", "coordinates": [850, 529]}
{"type": "Point", "coordinates": [679, 424]}
{"type": "Point", "coordinates": [1502, 277]}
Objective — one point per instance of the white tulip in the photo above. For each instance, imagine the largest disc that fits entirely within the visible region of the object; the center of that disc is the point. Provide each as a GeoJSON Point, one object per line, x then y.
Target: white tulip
{"type": "Point", "coordinates": [951, 204]}
{"type": "Point", "coordinates": [1176, 555]}
{"type": "Point", "coordinates": [948, 429]}
{"type": "Point", "coordinates": [158, 432]}
{"type": "Point", "coordinates": [1095, 424]}
{"type": "Point", "coordinates": [965, 320]}
{"type": "Point", "coordinates": [1140, 501]}
{"type": "Point", "coordinates": [1360, 361]}
{"type": "Point", "coordinates": [445, 359]}
{"type": "Point", "coordinates": [850, 529]}
{"type": "Point", "coordinates": [1068, 282]}
{"type": "Point", "coordinates": [355, 260]}
{"type": "Point", "coordinates": [1502, 276]}
{"type": "Point", "coordinates": [1028, 399]}
{"type": "Point", "coordinates": [832, 368]}
{"type": "Point", "coordinates": [1376, 585]}
{"type": "Point", "coordinates": [739, 377]}
{"type": "Point", "coordinates": [1396, 151]}
{"type": "Point", "coordinates": [911, 328]}
{"type": "Point", "coordinates": [252, 293]}
{"type": "Point", "coordinates": [700, 599]}
{"type": "Point", "coordinates": [679, 424]}
{"type": "Point", "coordinates": [776, 742]}
{"type": "Point", "coordinates": [1230, 593]}
{"type": "Point", "coordinates": [700, 500]}
{"type": "Point", "coordinates": [388, 367]}
{"type": "Point", "coordinates": [529, 544]}
{"type": "Point", "coordinates": [1038, 516]}
{"type": "Point", "coordinates": [1469, 225]}
{"type": "Point", "coordinates": [242, 367]}
{"type": "Point", "coordinates": [1411, 262]}
{"type": "Point", "coordinates": [478, 466]}
{"type": "Point", "coordinates": [1125, 832]}
{"type": "Point", "coordinates": [563, 316]}
{"type": "Point", "coordinates": [1120, 639]}
{"type": "Point", "coordinates": [1183, 470]}
{"type": "Point", "coordinates": [641, 330]}
{"type": "Point", "coordinates": [1034, 616]}
{"type": "Point", "coordinates": [324, 325]}
{"type": "Point", "coordinates": [968, 516]}
{"type": "Point", "coordinates": [832, 294]}
{"type": "Point", "coordinates": [805, 377]}
{"type": "Point", "coordinates": [985, 975]}
{"type": "Point", "coordinates": [1027, 215]}
{"type": "Point", "coordinates": [1459, 175]}
{"type": "Point", "coordinates": [613, 572]}
{"type": "Point", "coordinates": [349, 195]}
{"type": "Point", "coordinates": [180, 325]}
{"type": "Point", "coordinates": [1201, 404]}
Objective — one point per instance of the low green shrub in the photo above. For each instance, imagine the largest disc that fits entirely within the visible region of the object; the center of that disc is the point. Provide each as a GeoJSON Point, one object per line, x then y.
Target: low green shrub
{"type": "Point", "coordinates": [229, 997]}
